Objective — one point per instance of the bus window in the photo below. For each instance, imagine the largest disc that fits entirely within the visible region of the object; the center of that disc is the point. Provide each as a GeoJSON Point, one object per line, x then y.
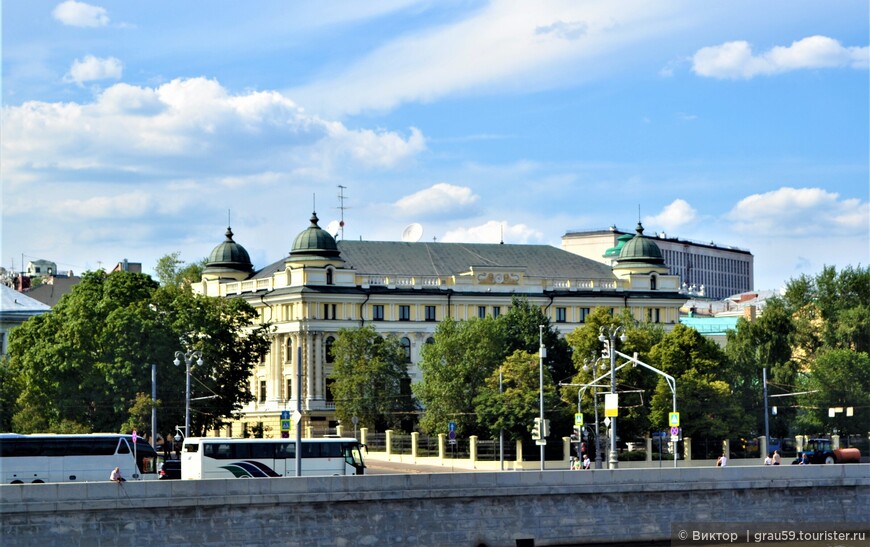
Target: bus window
{"type": "Point", "coordinates": [330, 450]}
{"type": "Point", "coordinates": [285, 451]}
{"type": "Point", "coordinates": [310, 450]}
{"type": "Point", "coordinates": [264, 451]}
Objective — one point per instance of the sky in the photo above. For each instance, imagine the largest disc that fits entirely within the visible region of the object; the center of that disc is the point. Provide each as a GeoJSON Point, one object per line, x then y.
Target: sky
{"type": "Point", "coordinates": [132, 130]}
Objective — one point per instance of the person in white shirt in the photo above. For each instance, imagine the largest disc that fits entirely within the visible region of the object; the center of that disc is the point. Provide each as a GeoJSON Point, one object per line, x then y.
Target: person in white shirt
{"type": "Point", "coordinates": [768, 460]}
{"type": "Point", "coordinates": [116, 475]}
{"type": "Point", "coordinates": [722, 461]}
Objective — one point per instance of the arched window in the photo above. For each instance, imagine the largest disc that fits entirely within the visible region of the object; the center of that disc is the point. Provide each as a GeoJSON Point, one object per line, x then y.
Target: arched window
{"type": "Point", "coordinates": [430, 340]}
{"type": "Point", "coordinates": [652, 282]}
{"type": "Point", "coordinates": [406, 346]}
{"type": "Point", "coordinates": [327, 348]}
{"type": "Point", "coordinates": [329, 276]}
{"type": "Point", "coordinates": [288, 352]}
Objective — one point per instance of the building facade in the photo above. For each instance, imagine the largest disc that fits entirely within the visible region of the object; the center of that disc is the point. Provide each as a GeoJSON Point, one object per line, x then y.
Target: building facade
{"type": "Point", "coordinates": [404, 289]}
{"type": "Point", "coordinates": [708, 270]}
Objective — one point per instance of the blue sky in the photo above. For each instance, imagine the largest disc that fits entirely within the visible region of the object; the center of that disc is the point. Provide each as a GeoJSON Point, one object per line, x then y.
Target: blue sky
{"type": "Point", "coordinates": [129, 130]}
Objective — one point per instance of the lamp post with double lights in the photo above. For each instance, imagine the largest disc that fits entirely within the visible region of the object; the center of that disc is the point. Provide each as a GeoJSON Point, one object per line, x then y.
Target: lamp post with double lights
{"type": "Point", "coordinates": [188, 361]}
{"type": "Point", "coordinates": [608, 336]}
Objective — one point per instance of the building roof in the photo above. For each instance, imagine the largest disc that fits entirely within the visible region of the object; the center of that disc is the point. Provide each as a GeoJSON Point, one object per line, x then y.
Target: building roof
{"type": "Point", "coordinates": [18, 306]}
{"type": "Point", "coordinates": [52, 291]}
{"type": "Point", "coordinates": [314, 241]}
{"type": "Point", "coordinates": [229, 255]}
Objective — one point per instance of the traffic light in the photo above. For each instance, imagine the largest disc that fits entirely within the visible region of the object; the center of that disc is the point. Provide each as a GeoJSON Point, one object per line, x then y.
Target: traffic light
{"type": "Point", "coordinates": [536, 430]}
{"type": "Point", "coordinates": [546, 432]}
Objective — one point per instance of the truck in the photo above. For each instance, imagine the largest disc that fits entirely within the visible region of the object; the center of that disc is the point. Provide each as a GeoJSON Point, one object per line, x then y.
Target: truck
{"type": "Point", "coordinates": [821, 451]}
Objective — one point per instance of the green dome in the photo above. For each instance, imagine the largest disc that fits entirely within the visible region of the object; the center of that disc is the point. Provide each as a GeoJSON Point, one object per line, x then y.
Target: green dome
{"type": "Point", "coordinates": [314, 241]}
{"type": "Point", "coordinates": [229, 255]}
{"type": "Point", "coordinates": [640, 250]}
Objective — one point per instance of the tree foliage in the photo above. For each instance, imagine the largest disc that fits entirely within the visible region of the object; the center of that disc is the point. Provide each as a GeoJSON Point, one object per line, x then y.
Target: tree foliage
{"type": "Point", "coordinates": [370, 374]}
{"type": "Point", "coordinates": [839, 379]}
{"type": "Point", "coordinates": [87, 359]}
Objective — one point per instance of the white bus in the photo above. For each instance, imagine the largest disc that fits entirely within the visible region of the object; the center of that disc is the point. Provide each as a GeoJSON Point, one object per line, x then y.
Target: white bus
{"type": "Point", "coordinates": [223, 458]}
{"type": "Point", "coordinates": [73, 458]}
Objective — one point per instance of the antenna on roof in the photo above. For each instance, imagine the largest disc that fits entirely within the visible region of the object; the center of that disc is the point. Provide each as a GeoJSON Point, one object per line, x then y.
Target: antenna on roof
{"type": "Point", "coordinates": [341, 207]}
{"type": "Point", "coordinates": [412, 233]}
{"type": "Point", "coordinates": [501, 234]}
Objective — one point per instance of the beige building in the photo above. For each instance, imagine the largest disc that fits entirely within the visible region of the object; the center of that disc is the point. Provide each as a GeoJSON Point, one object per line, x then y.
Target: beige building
{"type": "Point", "coordinates": [709, 270]}
{"type": "Point", "coordinates": [405, 289]}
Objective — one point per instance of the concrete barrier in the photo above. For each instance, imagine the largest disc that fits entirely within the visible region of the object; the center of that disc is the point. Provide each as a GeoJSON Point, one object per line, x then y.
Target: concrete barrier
{"type": "Point", "coordinates": [481, 508]}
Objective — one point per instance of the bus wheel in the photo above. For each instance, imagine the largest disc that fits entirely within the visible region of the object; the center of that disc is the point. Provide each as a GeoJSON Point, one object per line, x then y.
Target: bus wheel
{"type": "Point", "coordinates": [17, 482]}
{"type": "Point", "coordinates": [39, 481]}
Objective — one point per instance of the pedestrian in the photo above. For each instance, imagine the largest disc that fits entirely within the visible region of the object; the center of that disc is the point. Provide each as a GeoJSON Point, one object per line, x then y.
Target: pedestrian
{"type": "Point", "coordinates": [805, 460]}
{"type": "Point", "coordinates": [116, 476]}
{"type": "Point", "coordinates": [769, 459]}
{"type": "Point", "coordinates": [722, 461]}
{"type": "Point", "coordinates": [586, 463]}
{"type": "Point", "coordinates": [776, 457]}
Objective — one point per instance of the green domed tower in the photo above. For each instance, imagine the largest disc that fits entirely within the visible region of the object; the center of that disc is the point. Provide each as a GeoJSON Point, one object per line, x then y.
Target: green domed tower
{"type": "Point", "coordinates": [314, 243]}
{"type": "Point", "coordinates": [229, 260]}
{"type": "Point", "coordinates": [640, 255]}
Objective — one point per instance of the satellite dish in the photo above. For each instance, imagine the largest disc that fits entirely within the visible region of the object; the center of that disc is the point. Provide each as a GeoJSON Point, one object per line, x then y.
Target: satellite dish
{"type": "Point", "coordinates": [413, 233]}
{"type": "Point", "coordinates": [333, 227]}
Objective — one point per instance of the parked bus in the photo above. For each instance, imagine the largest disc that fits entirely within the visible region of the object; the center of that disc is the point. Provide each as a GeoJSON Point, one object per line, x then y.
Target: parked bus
{"type": "Point", "coordinates": [222, 458]}
{"type": "Point", "coordinates": [73, 458]}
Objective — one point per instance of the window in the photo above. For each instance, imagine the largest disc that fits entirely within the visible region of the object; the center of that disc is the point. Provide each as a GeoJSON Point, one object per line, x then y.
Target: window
{"type": "Point", "coordinates": [378, 312]}
{"type": "Point", "coordinates": [430, 340]}
{"type": "Point", "coordinates": [330, 383]}
{"type": "Point", "coordinates": [584, 312]}
{"type": "Point", "coordinates": [288, 390]}
{"type": "Point", "coordinates": [406, 347]}
{"type": "Point", "coordinates": [496, 311]}
{"type": "Point", "coordinates": [329, 311]}
{"type": "Point", "coordinates": [404, 313]}
{"type": "Point", "coordinates": [327, 349]}
{"type": "Point", "coordinates": [329, 276]}
{"type": "Point", "coordinates": [652, 282]}
{"type": "Point", "coordinates": [430, 313]}
{"type": "Point", "coordinates": [561, 315]}
{"type": "Point", "coordinates": [288, 357]}
{"type": "Point", "coordinates": [481, 311]}
{"type": "Point", "coordinates": [262, 391]}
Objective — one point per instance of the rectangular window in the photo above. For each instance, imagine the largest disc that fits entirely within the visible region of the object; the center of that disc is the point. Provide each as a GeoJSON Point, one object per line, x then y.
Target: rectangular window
{"type": "Point", "coordinates": [430, 313]}
{"type": "Point", "coordinates": [378, 312]}
{"type": "Point", "coordinates": [262, 391]}
{"type": "Point", "coordinates": [288, 389]}
{"type": "Point", "coordinates": [481, 311]}
{"type": "Point", "coordinates": [404, 313]}
{"type": "Point", "coordinates": [561, 315]}
{"type": "Point", "coordinates": [496, 311]}
{"type": "Point", "coordinates": [584, 312]}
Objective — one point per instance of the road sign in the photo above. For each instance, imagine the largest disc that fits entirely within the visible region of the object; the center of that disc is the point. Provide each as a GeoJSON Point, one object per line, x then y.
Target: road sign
{"type": "Point", "coordinates": [674, 419]}
{"type": "Point", "coordinates": [578, 419]}
{"type": "Point", "coordinates": [611, 404]}
{"type": "Point", "coordinates": [134, 436]}
{"type": "Point", "coordinates": [541, 442]}
{"type": "Point", "coordinates": [451, 426]}
{"type": "Point", "coordinates": [296, 417]}
{"type": "Point", "coordinates": [675, 431]}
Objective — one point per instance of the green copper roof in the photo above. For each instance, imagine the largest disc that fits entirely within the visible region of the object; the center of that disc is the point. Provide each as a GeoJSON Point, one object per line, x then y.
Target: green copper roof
{"type": "Point", "coordinates": [229, 255]}
{"type": "Point", "coordinates": [314, 241]}
{"type": "Point", "coordinates": [620, 243]}
{"type": "Point", "coordinates": [640, 251]}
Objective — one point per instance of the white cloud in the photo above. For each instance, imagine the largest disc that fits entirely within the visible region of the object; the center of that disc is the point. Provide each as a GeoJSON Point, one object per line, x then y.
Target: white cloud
{"type": "Point", "coordinates": [675, 215]}
{"type": "Point", "coordinates": [501, 46]}
{"type": "Point", "coordinates": [186, 127]}
{"type": "Point", "coordinates": [93, 68]}
{"type": "Point", "coordinates": [80, 14]}
{"type": "Point", "coordinates": [735, 60]}
{"type": "Point", "coordinates": [129, 205]}
{"type": "Point", "coordinates": [439, 200]}
{"type": "Point", "coordinates": [493, 231]}
{"type": "Point", "coordinates": [789, 212]}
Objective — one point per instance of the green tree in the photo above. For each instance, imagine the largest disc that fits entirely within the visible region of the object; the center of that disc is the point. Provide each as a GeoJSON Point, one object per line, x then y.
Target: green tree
{"type": "Point", "coordinates": [454, 369]}
{"type": "Point", "coordinates": [838, 378]}
{"type": "Point", "coordinates": [371, 375]}
{"type": "Point", "coordinates": [171, 270]}
{"type": "Point", "coordinates": [89, 357]}
{"type": "Point", "coordinates": [517, 404]}
{"type": "Point", "coordinates": [705, 398]}
{"type": "Point", "coordinates": [523, 332]}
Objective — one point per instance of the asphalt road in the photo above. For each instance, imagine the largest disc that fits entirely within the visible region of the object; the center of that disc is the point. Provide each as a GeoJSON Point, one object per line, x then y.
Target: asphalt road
{"type": "Point", "coordinates": [376, 467]}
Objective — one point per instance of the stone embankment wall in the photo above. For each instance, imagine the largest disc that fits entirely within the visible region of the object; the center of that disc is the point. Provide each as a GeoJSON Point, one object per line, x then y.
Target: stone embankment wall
{"type": "Point", "coordinates": [456, 509]}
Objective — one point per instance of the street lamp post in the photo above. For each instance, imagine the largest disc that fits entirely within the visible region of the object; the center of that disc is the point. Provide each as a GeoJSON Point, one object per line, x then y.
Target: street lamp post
{"type": "Point", "coordinates": [608, 335]}
{"type": "Point", "coordinates": [188, 361]}
{"type": "Point", "coordinates": [594, 364]}
{"type": "Point", "coordinates": [541, 354]}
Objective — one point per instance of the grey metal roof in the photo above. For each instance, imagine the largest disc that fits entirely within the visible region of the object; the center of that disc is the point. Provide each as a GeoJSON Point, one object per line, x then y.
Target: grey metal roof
{"type": "Point", "coordinates": [433, 258]}
{"type": "Point", "coordinates": [14, 304]}
{"type": "Point", "coordinates": [445, 259]}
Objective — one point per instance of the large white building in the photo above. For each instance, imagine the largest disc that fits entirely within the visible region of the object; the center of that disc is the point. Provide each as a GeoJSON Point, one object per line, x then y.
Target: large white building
{"type": "Point", "coordinates": [405, 289]}
{"type": "Point", "coordinates": [705, 269]}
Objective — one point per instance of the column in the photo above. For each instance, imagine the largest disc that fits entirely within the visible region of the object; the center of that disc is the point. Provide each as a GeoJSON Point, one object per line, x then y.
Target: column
{"type": "Point", "coordinates": [472, 449]}
{"type": "Point", "coordinates": [415, 438]}
{"type": "Point", "coordinates": [276, 364]}
{"type": "Point", "coordinates": [648, 440]}
{"type": "Point", "coordinates": [318, 365]}
{"type": "Point", "coordinates": [309, 372]}
{"type": "Point", "coordinates": [389, 441]}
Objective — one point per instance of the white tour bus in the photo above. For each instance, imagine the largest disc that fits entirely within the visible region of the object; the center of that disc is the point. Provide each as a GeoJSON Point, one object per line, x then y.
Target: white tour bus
{"type": "Point", "coordinates": [73, 458]}
{"type": "Point", "coordinates": [223, 458]}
